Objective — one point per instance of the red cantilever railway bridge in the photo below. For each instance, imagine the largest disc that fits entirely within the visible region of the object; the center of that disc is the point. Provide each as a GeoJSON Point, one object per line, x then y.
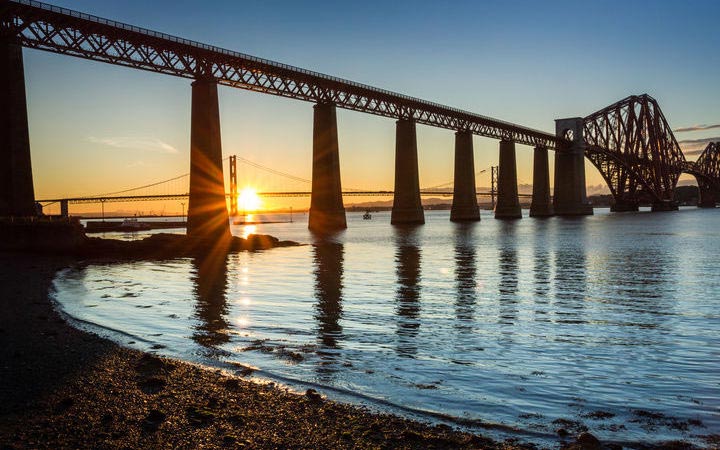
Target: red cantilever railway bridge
{"type": "Point", "coordinates": [630, 142]}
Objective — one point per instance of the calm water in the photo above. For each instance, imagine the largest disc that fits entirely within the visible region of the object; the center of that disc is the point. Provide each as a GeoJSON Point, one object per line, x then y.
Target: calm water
{"type": "Point", "coordinates": [605, 320]}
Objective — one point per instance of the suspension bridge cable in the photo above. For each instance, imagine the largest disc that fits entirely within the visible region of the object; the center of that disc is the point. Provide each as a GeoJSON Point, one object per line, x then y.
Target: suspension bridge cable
{"type": "Point", "coordinates": [268, 169]}
{"type": "Point", "coordinates": [147, 185]}
{"type": "Point", "coordinates": [141, 187]}
{"type": "Point", "coordinates": [449, 183]}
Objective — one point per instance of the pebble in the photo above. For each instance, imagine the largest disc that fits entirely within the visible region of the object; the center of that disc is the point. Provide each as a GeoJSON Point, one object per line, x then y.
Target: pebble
{"type": "Point", "coordinates": [153, 420]}
{"type": "Point", "coordinates": [313, 395]}
{"type": "Point", "coordinates": [587, 441]}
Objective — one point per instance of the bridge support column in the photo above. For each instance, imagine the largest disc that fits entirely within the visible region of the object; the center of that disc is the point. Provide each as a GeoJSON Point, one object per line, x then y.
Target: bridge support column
{"type": "Point", "coordinates": [64, 209]}
{"type": "Point", "coordinates": [664, 206]}
{"type": "Point", "coordinates": [541, 205]}
{"type": "Point", "coordinates": [17, 196]}
{"type": "Point", "coordinates": [624, 206]}
{"type": "Point", "coordinates": [464, 205]}
{"type": "Point", "coordinates": [570, 197]}
{"type": "Point", "coordinates": [327, 212]}
{"type": "Point", "coordinates": [508, 203]}
{"type": "Point", "coordinates": [407, 207]}
{"type": "Point", "coordinates": [207, 216]}
{"type": "Point", "coordinates": [708, 197]}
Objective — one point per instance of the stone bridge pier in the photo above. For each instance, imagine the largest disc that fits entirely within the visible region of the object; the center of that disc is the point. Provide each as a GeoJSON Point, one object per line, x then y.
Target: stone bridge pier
{"type": "Point", "coordinates": [207, 216]}
{"type": "Point", "coordinates": [541, 205]}
{"type": "Point", "coordinates": [407, 208]}
{"type": "Point", "coordinates": [17, 195]}
{"type": "Point", "coordinates": [570, 197]}
{"type": "Point", "coordinates": [327, 212]}
{"type": "Point", "coordinates": [708, 195]}
{"type": "Point", "coordinates": [508, 203]}
{"type": "Point", "coordinates": [464, 203]}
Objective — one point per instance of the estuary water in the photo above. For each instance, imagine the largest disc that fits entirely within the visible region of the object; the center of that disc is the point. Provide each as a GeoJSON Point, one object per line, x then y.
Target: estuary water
{"type": "Point", "coordinates": [609, 323]}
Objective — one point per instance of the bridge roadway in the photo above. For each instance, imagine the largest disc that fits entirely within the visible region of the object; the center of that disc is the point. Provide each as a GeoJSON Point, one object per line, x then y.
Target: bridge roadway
{"type": "Point", "coordinates": [139, 198]}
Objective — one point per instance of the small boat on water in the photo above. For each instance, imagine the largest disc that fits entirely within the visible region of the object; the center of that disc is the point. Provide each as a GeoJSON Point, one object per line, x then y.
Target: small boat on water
{"type": "Point", "coordinates": [132, 224]}
{"type": "Point", "coordinates": [367, 215]}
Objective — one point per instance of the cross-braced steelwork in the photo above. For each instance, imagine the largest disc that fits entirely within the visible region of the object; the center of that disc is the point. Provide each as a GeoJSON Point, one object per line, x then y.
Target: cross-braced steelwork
{"type": "Point", "coordinates": [633, 147]}
{"type": "Point", "coordinates": [707, 167]}
{"type": "Point", "coordinates": [707, 173]}
{"type": "Point", "coordinates": [46, 27]}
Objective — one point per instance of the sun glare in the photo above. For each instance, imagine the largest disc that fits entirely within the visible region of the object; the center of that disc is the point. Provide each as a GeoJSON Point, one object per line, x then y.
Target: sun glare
{"type": "Point", "coordinates": [248, 200]}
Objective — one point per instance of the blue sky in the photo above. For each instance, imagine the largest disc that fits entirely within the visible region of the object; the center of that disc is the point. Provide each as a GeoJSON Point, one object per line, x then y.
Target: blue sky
{"type": "Point", "coordinates": [96, 128]}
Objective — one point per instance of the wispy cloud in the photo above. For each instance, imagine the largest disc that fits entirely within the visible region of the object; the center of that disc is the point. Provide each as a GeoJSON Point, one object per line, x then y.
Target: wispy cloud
{"type": "Point", "coordinates": [697, 128]}
{"type": "Point", "coordinates": [700, 141]}
{"type": "Point", "coordinates": [135, 143]}
{"type": "Point", "coordinates": [696, 146]}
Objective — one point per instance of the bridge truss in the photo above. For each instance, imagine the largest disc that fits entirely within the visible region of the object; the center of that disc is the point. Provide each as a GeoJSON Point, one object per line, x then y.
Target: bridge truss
{"type": "Point", "coordinates": [633, 147]}
{"type": "Point", "coordinates": [59, 30]}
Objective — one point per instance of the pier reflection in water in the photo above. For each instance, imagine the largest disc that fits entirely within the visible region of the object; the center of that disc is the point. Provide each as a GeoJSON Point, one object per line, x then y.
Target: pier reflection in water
{"type": "Point", "coordinates": [210, 284]}
{"type": "Point", "coordinates": [407, 295]}
{"type": "Point", "coordinates": [466, 276]}
{"type": "Point", "coordinates": [542, 269]}
{"type": "Point", "coordinates": [328, 271]}
{"type": "Point", "coordinates": [523, 323]}
{"type": "Point", "coordinates": [508, 271]}
{"type": "Point", "coordinates": [570, 273]}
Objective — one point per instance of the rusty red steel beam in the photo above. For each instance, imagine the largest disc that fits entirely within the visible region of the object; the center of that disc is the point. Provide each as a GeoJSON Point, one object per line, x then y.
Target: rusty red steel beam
{"type": "Point", "coordinates": [46, 27]}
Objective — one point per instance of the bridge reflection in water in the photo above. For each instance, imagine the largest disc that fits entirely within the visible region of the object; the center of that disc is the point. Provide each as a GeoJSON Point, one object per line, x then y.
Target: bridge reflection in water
{"type": "Point", "coordinates": [210, 284]}
{"type": "Point", "coordinates": [465, 275]}
{"type": "Point", "coordinates": [407, 295]}
{"type": "Point", "coordinates": [328, 260]}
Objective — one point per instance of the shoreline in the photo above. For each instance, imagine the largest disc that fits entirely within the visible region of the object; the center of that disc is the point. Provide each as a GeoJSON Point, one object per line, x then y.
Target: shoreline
{"type": "Point", "coordinates": [61, 387]}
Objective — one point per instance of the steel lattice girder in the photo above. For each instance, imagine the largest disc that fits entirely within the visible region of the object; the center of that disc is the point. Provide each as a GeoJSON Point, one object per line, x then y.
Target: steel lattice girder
{"type": "Point", "coordinates": [46, 27]}
{"type": "Point", "coordinates": [633, 147]}
{"type": "Point", "coordinates": [706, 168]}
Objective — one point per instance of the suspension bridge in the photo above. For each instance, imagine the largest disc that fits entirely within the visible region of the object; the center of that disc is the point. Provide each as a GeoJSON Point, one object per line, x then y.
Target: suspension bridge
{"type": "Point", "coordinates": [177, 188]}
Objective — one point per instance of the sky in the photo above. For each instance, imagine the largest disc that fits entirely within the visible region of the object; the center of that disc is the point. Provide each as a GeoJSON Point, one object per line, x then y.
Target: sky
{"type": "Point", "coordinates": [98, 128]}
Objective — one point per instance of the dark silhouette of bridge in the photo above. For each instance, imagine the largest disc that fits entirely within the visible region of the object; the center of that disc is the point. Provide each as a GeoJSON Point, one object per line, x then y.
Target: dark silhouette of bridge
{"type": "Point", "coordinates": [629, 142]}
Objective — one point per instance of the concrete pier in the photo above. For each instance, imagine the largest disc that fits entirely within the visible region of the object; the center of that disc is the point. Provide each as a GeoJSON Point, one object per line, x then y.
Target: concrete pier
{"type": "Point", "coordinates": [541, 205]}
{"type": "Point", "coordinates": [570, 196]}
{"type": "Point", "coordinates": [508, 203]}
{"type": "Point", "coordinates": [207, 216]}
{"type": "Point", "coordinates": [17, 196]}
{"type": "Point", "coordinates": [407, 208]}
{"type": "Point", "coordinates": [625, 206]}
{"type": "Point", "coordinates": [707, 196]}
{"type": "Point", "coordinates": [664, 206]}
{"type": "Point", "coordinates": [327, 212]}
{"type": "Point", "coordinates": [464, 204]}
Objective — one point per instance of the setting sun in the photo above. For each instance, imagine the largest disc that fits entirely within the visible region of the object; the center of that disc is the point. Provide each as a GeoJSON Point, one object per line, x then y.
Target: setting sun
{"type": "Point", "coordinates": [248, 200]}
